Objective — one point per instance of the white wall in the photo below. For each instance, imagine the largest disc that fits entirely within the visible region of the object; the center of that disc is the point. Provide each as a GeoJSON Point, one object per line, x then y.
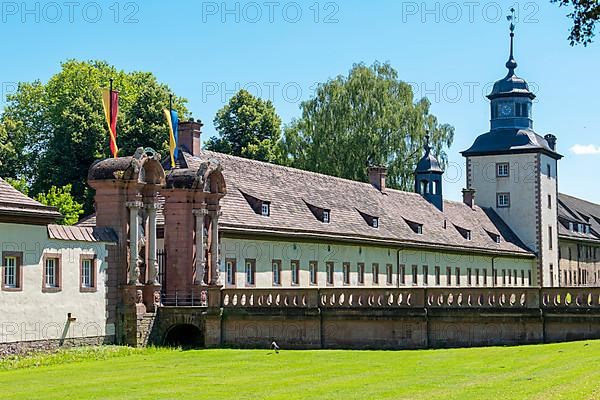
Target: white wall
{"type": "Point", "coordinates": [265, 251]}
{"type": "Point", "coordinates": [31, 314]}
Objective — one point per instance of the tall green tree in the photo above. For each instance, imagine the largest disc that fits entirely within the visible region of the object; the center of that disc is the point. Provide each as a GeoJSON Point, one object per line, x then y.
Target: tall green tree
{"type": "Point", "coordinates": [367, 117]}
{"type": "Point", "coordinates": [248, 127]}
{"type": "Point", "coordinates": [585, 14]}
{"type": "Point", "coordinates": [56, 130]}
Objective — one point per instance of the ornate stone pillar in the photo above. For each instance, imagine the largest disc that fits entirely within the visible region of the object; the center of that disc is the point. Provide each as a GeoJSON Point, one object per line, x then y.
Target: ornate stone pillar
{"type": "Point", "coordinates": [214, 247]}
{"type": "Point", "coordinates": [134, 261]}
{"type": "Point", "coordinates": [200, 263]}
{"type": "Point", "coordinates": [152, 278]}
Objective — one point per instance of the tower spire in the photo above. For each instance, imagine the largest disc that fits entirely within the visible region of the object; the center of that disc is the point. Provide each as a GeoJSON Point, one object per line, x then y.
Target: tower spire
{"type": "Point", "coordinates": [511, 64]}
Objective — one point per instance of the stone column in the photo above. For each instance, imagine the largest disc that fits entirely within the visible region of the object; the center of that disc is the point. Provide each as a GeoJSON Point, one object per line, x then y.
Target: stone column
{"type": "Point", "coordinates": [152, 258]}
{"type": "Point", "coordinates": [214, 247]}
{"type": "Point", "coordinates": [134, 262]}
{"type": "Point", "coordinates": [200, 263]}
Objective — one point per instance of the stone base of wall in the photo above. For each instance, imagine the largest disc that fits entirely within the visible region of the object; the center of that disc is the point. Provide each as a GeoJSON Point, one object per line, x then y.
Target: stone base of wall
{"type": "Point", "coordinates": [19, 348]}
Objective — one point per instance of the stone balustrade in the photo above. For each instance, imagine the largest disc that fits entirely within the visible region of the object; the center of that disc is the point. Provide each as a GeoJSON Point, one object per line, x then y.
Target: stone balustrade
{"type": "Point", "coordinates": [393, 298]}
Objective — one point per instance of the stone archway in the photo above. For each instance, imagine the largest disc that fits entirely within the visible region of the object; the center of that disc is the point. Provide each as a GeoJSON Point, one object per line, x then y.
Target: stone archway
{"type": "Point", "coordinates": [187, 336]}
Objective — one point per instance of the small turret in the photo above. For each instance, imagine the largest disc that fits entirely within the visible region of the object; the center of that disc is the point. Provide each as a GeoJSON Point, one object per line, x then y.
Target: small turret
{"type": "Point", "coordinates": [428, 178]}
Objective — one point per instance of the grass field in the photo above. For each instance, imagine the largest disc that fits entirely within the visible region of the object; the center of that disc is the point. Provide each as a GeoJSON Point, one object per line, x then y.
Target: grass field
{"type": "Point", "coordinates": [557, 371]}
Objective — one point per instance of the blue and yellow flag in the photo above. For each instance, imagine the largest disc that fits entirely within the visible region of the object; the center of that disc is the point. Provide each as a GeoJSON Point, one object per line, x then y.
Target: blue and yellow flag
{"type": "Point", "coordinates": [173, 122]}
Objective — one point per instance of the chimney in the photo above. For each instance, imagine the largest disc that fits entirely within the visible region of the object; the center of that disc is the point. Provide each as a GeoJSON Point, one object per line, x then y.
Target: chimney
{"type": "Point", "coordinates": [469, 197]}
{"type": "Point", "coordinates": [189, 136]}
{"type": "Point", "coordinates": [377, 177]}
{"type": "Point", "coordinates": [551, 139]}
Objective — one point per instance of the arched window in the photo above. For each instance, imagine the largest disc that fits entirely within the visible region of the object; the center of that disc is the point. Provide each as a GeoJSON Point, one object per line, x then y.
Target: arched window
{"type": "Point", "coordinates": [436, 187]}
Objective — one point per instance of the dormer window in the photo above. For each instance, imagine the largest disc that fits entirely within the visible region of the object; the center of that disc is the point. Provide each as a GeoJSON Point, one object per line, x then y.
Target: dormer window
{"type": "Point", "coordinates": [371, 220]}
{"type": "Point", "coordinates": [465, 233]}
{"type": "Point", "coordinates": [266, 209]}
{"type": "Point", "coordinates": [494, 236]}
{"type": "Point", "coordinates": [322, 214]}
{"type": "Point", "coordinates": [415, 226]}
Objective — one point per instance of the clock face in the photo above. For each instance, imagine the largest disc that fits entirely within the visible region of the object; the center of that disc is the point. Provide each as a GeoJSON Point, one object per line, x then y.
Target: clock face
{"type": "Point", "coordinates": [506, 110]}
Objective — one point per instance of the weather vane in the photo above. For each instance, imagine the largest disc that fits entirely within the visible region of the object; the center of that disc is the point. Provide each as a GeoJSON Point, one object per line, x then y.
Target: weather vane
{"type": "Point", "coordinates": [512, 19]}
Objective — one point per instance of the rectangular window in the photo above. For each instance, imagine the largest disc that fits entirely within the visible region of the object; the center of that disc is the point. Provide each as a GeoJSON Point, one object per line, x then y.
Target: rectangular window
{"type": "Point", "coordinates": [360, 267]}
{"type": "Point", "coordinates": [515, 277]}
{"type": "Point", "coordinates": [250, 271]}
{"type": "Point", "coordinates": [313, 272]}
{"type": "Point", "coordinates": [469, 277]}
{"type": "Point", "coordinates": [448, 276]}
{"type": "Point", "coordinates": [457, 276]}
{"type": "Point", "coordinates": [375, 222]}
{"type": "Point", "coordinates": [437, 276]}
{"type": "Point", "coordinates": [425, 275]}
{"type": "Point", "coordinates": [476, 276]}
{"type": "Point", "coordinates": [230, 270]}
{"type": "Point", "coordinates": [529, 278]}
{"type": "Point", "coordinates": [495, 273]}
{"type": "Point", "coordinates": [346, 271]}
{"type": "Point", "coordinates": [551, 275]}
{"type": "Point", "coordinates": [485, 277]}
{"type": "Point", "coordinates": [375, 271]}
{"type": "Point", "coordinates": [502, 170]}
{"type": "Point", "coordinates": [326, 216]}
{"type": "Point", "coordinates": [51, 272]}
{"type": "Point", "coordinates": [548, 171]}
{"type": "Point", "coordinates": [509, 277]}
{"type": "Point", "coordinates": [550, 238]}
{"type": "Point", "coordinates": [330, 272]}
{"type": "Point", "coordinates": [389, 274]}
{"type": "Point", "coordinates": [403, 275]}
{"type": "Point", "coordinates": [550, 201]}
{"type": "Point", "coordinates": [504, 277]}
{"type": "Point", "coordinates": [87, 273]}
{"type": "Point", "coordinates": [276, 266]}
{"type": "Point", "coordinates": [295, 269]}
{"type": "Point", "coordinates": [522, 278]}
{"type": "Point", "coordinates": [10, 279]}
{"type": "Point", "coordinates": [266, 209]}
{"type": "Point", "coordinates": [503, 200]}
{"type": "Point", "coordinates": [414, 274]}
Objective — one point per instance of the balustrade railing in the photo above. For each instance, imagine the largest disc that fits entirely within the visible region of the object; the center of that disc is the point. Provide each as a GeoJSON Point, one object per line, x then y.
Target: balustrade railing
{"type": "Point", "coordinates": [387, 298]}
{"type": "Point", "coordinates": [185, 298]}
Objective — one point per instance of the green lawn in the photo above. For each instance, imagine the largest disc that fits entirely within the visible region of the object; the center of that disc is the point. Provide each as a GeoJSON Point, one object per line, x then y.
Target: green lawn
{"type": "Point", "coordinates": [555, 371]}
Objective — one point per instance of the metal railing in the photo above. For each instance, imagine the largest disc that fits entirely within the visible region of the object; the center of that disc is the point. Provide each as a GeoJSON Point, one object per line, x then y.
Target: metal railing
{"type": "Point", "coordinates": [185, 298]}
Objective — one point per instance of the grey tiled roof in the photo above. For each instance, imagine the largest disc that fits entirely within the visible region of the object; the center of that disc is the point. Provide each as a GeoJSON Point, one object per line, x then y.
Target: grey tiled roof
{"type": "Point", "coordinates": [82, 233]}
{"type": "Point", "coordinates": [289, 190]}
{"type": "Point", "coordinates": [15, 204]}
{"type": "Point", "coordinates": [578, 211]}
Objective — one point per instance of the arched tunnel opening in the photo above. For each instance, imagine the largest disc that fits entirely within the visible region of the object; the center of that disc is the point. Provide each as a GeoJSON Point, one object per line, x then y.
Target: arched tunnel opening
{"type": "Point", "coordinates": [185, 336]}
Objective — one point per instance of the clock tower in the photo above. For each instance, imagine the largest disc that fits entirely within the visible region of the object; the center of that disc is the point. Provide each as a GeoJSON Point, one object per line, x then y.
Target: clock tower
{"type": "Point", "coordinates": [513, 171]}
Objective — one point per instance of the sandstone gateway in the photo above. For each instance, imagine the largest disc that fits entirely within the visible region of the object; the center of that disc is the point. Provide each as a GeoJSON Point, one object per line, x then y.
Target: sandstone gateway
{"type": "Point", "coordinates": [221, 250]}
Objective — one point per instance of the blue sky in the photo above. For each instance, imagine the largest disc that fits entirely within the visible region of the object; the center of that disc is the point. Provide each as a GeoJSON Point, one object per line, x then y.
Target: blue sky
{"type": "Point", "coordinates": [450, 52]}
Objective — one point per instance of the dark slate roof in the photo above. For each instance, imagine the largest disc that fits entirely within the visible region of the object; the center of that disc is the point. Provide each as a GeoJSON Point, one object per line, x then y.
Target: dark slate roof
{"type": "Point", "coordinates": [428, 163]}
{"type": "Point", "coordinates": [578, 210]}
{"type": "Point", "coordinates": [509, 141]}
{"type": "Point", "coordinates": [18, 208]}
{"type": "Point", "coordinates": [82, 234]}
{"type": "Point", "coordinates": [509, 86]}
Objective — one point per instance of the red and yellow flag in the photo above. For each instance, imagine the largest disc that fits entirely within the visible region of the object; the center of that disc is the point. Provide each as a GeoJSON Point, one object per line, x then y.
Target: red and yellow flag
{"type": "Point", "coordinates": [110, 102]}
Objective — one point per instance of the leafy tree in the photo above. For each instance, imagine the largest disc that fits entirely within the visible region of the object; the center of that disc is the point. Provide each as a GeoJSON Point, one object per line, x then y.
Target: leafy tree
{"type": "Point", "coordinates": [248, 127]}
{"type": "Point", "coordinates": [585, 14]}
{"type": "Point", "coordinates": [368, 117]}
{"type": "Point", "coordinates": [56, 130]}
{"type": "Point", "coordinates": [62, 199]}
{"type": "Point", "coordinates": [19, 184]}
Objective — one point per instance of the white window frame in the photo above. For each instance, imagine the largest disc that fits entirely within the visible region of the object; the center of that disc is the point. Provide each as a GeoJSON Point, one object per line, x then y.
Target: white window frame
{"type": "Point", "coordinates": [375, 222]}
{"type": "Point", "coordinates": [51, 276]}
{"type": "Point", "coordinates": [10, 272]}
{"type": "Point", "coordinates": [295, 267]}
{"type": "Point", "coordinates": [503, 170]}
{"type": "Point", "coordinates": [266, 209]}
{"type": "Point", "coordinates": [229, 272]}
{"type": "Point", "coordinates": [346, 273]}
{"type": "Point", "coordinates": [330, 270]}
{"type": "Point", "coordinates": [276, 267]}
{"type": "Point", "coordinates": [313, 271]}
{"type": "Point", "coordinates": [250, 279]}
{"type": "Point", "coordinates": [326, 216]}
{"type": "Point", "coordinates": [505, 197]}
{"type": "Point", "coordinates": [87, 269]}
